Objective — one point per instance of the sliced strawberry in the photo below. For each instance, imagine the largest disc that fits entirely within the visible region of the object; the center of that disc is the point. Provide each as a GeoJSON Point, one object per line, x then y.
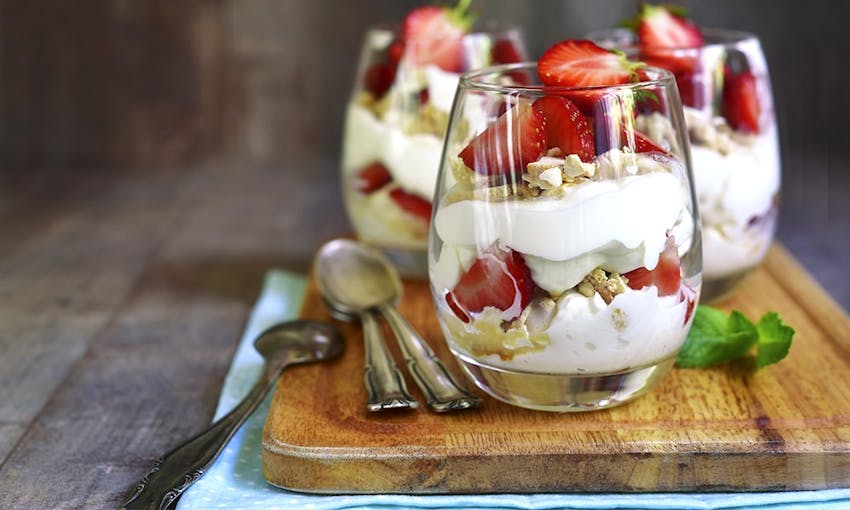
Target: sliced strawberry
{"type": "Point", "coordinates": [504, 51]}
{"type": "Point", "coordinates": [741, 101]}
{"type": "Point", "coordinates": [378, 79]}
{"type": "Point", "coordinates": [576, 63]}
{"type": "Point", "coordinates": [515, 139]}
{"type": "Point", "coordinates": [372, 178]}
{"type": "Point", "coordinates": [566, 127]}
{"type": "Point", "coordinates": [434, 35]}
{"type": "Point", "coordinates": [658, 27]}
{"type": "Point", "coordinates": [667, 275]}
{"type": "Point", "coordinates": [688, 295]}
{"type": "Point", "coordinates": [414, 204]}
{"type": "Point", "coordinates": [396, 51]}
{"type": "Point", "coordinates": [642, 143]}
{"type": "Point", "coordinates": [497, 278]}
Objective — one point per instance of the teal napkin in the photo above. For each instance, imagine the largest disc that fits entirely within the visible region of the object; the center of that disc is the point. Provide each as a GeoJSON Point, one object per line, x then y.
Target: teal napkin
{"type": "Point", "coordinates": [236, 481]}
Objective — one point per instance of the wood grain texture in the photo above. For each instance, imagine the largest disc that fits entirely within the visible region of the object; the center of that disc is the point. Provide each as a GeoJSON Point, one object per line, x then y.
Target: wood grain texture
{"type": "Point", "coordinates": [785, 427]}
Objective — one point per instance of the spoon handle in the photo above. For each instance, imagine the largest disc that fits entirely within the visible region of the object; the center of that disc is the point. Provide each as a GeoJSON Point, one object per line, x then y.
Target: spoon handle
{"type": "Point", "coordinates": [432, 376]}
{"type": "Point", "coordinates": [384, 381]}
{"type": "Point", "coordinates": [174, 472]}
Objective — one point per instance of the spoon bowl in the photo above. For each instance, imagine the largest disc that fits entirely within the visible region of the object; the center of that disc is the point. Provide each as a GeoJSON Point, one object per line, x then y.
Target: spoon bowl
{"type": "Point", "coordinates": [354, 278]}
{"type": "Point", "coordinates": [299, 342]}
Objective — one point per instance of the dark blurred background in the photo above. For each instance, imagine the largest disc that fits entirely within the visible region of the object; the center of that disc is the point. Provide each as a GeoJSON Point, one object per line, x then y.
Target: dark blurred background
{"type": "Point", "coordinates": [172, 87]}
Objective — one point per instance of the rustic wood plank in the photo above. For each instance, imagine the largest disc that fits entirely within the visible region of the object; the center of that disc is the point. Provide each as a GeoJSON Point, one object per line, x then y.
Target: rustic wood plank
{"type": "Point", "coordinates": [785, 427]}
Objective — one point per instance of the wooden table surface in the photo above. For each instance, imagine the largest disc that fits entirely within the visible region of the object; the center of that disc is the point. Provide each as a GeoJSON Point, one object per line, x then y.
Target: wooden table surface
{"type": "Point", "coordinates": [158, 158]}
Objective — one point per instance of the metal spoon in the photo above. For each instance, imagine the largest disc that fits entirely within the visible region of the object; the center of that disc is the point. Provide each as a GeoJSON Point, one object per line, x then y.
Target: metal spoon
{"type": "Point", "coordinates": [357, 278]}
{"type": "Point", "coordinates": [282, 345]}
{"type": "Point", "coordinates": [344, 289]}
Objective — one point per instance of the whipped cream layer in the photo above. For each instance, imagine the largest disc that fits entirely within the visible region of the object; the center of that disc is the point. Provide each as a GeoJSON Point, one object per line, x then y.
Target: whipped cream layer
{"type": "Point", "coordinates": [585, 336]}
{"type": "Point", "coordinates": [412, 160]}
{"type": "Point", "coordinates": [733, 189]}
{"type": "Point", "coordinates": [619, 225]}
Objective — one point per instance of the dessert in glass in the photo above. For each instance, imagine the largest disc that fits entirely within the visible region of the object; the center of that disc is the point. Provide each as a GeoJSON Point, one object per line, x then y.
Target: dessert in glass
{"type": "Point", "coordinates": [396, 121]}
{"type": "Point", "coordinates": [724, 85]}
{"type": "Point", "coordinates": [564, 254]}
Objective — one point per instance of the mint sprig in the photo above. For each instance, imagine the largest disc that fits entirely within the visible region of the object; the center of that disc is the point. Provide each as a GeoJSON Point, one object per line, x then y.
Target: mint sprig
{"type": "Point", "coordinates": [716, 338]}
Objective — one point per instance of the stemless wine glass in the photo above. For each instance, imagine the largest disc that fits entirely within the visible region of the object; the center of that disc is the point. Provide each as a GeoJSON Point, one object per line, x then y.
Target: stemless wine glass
{"type": "Point", "coordinates": [565, 273]}
{"type": "Point", "coordinates": [394, 130]}
{"type": "Point", "coordinates": [725, 90]}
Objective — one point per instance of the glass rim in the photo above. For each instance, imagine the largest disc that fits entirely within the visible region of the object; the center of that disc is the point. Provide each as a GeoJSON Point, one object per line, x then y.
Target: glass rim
{"type": "Point", "coordinates": [713, 38]}
{"type": "Point", "coordinates": [471, 80]}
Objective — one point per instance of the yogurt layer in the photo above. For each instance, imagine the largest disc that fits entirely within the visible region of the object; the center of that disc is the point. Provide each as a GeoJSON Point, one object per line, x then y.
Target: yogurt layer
{"type": "Point", "coordinates": [631, 219]}
{"type": "Point", "coordinates": [733, 189]}
{"type": "Point", "coordinates": [585, 335]}
{"type": "Point", "coordinates": [412, 160]}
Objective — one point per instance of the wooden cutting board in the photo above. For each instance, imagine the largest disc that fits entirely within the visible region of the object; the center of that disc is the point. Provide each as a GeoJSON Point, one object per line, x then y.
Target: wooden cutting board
{"type": "Point", "coordinates": [781, 428]}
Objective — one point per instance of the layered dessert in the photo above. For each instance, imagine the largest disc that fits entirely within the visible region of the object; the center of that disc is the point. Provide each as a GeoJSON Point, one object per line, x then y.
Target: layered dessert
{"type": "Point", "coordinates": [398, 115]}
{"type": "Point", "coordinates": [563, 241]}
{"type": "Point", "coordinates": [725, 93]}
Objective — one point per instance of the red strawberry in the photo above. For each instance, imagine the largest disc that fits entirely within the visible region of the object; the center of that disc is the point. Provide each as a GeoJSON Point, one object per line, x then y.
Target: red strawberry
{"type": "Point", "coordinates": [413, 204]}
{"type": "Point", "coordinates": [514, 140]}
{"type": "Point", "coordinates": [643, 143]}
{"type": "Point", "coordinates": [434, 35]}
{"type": "Point", "coordinates": [496, 278]}
{"type": "Point", "coordinates": [688, 295]}
{"type": "Point", "coordinates": [667, 275]}
{"type": "Point", "coordinates": [741, 101]}
{"type": "Point", "coordinates": [372, 178]}
{"type": "Point", "coordinates": [378, 79]}
{"type": "Point", "coordinates": [566, 127]}
{"type": "Point", "coordinates": [583, 64]}
{"type": "Point", "coordinates": [658, 27]}
{"type": "Point", "coordinates": [505, 52]}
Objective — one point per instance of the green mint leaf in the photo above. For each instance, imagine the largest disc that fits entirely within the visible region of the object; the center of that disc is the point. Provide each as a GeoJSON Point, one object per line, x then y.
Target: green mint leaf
{"type": "Point", "coordinates": [774, 339]}
{"type": "Point", "coordinates": [715, 338]}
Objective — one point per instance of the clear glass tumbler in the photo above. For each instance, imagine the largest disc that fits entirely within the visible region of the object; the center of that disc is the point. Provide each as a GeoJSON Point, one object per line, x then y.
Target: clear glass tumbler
{"type": "Point", "coordinates": [394, 129]}
{"type": "Point", "coordinates": [725, 90]}
{"type": "Point", "coordinates": [565, 274]}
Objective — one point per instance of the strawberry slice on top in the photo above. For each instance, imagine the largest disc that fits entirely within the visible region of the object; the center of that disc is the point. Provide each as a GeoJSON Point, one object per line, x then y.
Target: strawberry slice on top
{"type": "Point", "coordinates": [497, 278]}
{"type": "Point", "coordinates": [579, 63]}
{"type": "Point", "coordinates": [434, 35]}
{"type": "Point", "coordinates": [509, 144]}
{"type": "Point", "coordinates": [660, 27]}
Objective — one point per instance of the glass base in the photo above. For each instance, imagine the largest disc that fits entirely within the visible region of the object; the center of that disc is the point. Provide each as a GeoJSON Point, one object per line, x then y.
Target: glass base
{"type": "Point", "coordinates": [715, 290]}
{"type": "Point", "coordinates": [410, 263]}
{"type": "Point", "coordinates": [561, 392]}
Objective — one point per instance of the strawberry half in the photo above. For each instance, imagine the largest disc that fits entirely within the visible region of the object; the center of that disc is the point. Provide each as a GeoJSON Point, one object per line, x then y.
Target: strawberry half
{"type": "Point", "coordinates": [497, 278]}
{"type": "Point", "coordinates": [434, 35]}
{"type": "Point", "coordinates": [515, 139]}
{"type": "Point", "coordinates": [575, 63]}
{"type": "Point", "coordinates": [566, 127]}
{"type": "Point", "coordinates": [372, 177]}
{"type": "Point", "coordinates": [667, 275]}
{"type": "Point", "coordinates": [413, 204]}
{"type": "Point", "coordinates": [741, 101]}
{"type": "Point", "coordinates": [378, 79]}
{"type": "Point", "coordinates": [659, 27]}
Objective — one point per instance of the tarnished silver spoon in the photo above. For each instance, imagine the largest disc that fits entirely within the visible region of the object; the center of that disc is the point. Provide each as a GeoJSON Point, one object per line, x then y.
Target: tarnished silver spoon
{"type": "Point", "coordinates": [282, 345]}
{"type": "Point", "coordinates": [355, 279]}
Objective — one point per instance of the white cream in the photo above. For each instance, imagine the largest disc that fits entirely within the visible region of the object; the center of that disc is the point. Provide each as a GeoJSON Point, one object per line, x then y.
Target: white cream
{"type": "Point", "coordinates": [586, 336]}
{"type": "Point", "coordinates": [412, 160]}
{"type": "Point", "coordinates": [732, 189]}
{"type": "Point", "coordinates": [618, 225]}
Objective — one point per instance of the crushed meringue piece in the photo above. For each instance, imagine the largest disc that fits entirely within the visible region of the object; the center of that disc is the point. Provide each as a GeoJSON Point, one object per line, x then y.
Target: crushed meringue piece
{"type": "Point", "coordinates": [574, 168]}
{"type": "Point", "coordinates": [607, 285]}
